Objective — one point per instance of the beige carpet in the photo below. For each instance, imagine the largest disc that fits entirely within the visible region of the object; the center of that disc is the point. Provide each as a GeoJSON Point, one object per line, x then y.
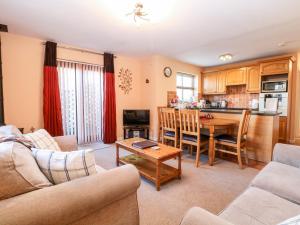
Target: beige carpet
{"type": "Point", "coordinates": [211, 188]}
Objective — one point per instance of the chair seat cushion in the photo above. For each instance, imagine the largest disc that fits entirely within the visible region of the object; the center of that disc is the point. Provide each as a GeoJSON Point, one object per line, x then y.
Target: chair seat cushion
{"type": "Point", "coordinates": [226, 138]}
{"type": "Point", "coordinates": [259, 207]}
{"type": "Point", "coordinates": [193, 138]}
{"type": "Point", "coordinates": [205, 132]}
{"type": "Point", "coordinates": [170, 133]}
{"type": "Point", "coordinates": [280, 179]}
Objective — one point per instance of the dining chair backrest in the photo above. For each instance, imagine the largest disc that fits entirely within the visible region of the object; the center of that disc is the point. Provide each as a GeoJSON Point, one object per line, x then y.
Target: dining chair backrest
{"type": "Point", "coordinates": [244, 124]}
{"type": "Point", "coordinates": [189, 122]}
{"type": "Point", "coordinates": [168, 119]}
{"type": "Point", "coordinates": [159, 108]}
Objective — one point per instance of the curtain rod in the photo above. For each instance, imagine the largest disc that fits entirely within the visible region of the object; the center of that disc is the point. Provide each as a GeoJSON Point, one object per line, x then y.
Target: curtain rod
{"type": "Point", "coordinates": [79, 49]}
{"type": "Point", "coordinates": [80, 62]}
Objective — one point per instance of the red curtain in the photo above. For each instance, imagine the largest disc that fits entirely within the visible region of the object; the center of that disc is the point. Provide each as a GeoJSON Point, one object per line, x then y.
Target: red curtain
{"type": "Point", "coordinates": [109, 117]}
{"type": "Point", "coordinates": [51, 98]}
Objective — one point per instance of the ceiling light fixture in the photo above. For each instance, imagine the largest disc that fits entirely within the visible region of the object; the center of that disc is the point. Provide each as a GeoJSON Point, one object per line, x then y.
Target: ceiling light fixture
{"type": "Point", "coordinates": [138, 13]}
{"type": "Point", "coordinates": [225, 57]}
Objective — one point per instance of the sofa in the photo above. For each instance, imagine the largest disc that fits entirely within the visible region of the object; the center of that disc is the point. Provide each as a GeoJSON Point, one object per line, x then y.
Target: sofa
{"type": "Point", "coordinates": [272, 197]}
{"type": "Point", "coordinates": [107, 198]}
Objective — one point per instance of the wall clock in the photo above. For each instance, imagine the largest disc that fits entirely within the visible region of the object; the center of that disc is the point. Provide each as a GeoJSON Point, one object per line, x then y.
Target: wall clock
{"type": "Point", "coordinates": [167, 71]}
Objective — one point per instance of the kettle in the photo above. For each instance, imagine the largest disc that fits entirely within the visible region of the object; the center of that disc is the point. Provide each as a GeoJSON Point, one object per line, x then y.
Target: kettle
{"type": "Point", "coordinates": [223, 104]}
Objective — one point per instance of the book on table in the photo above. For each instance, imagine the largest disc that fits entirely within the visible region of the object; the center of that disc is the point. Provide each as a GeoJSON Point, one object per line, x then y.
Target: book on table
{"type": "Point", "coordinates": [144, 144]}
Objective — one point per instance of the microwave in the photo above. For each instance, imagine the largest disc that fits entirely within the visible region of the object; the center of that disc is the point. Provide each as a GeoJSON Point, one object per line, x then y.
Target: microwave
{"type": "Point", "coordinates": [274, 86]}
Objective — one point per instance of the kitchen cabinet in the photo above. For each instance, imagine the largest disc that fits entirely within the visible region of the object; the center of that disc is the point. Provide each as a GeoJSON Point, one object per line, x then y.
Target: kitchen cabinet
{"type": "Point", "coordinates": [209, 81]}
{"type": "Point", "coordinates": [214, 83]}
{"type": "Point", "coordinates": [221, 83]}
{"type": "Point", "coordinates": [262, 133]}
{"type": "Point", "coordinates": [253, 79]}
{"type": "Point", "coordinates": [236, 76]}
{"type": "Point", "coordinates": [274, 67]}
{"type": "Point", "coordinates": [282, 129]}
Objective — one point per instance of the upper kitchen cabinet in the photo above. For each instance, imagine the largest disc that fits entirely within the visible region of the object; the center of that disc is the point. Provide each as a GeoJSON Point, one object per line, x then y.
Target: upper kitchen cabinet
{"type": "Point", "coordinates": [209, 82]}
{"type": "Point", "coordinates": [274, 67]}
{"type": "Point", "coordinates": [236, 76]}
{"type": "Point", "coordinates": [214, 83]}
{"type": "Point", "coordinates": [221, 82]}
{"type": "Point", "coordinates": [253, 79]}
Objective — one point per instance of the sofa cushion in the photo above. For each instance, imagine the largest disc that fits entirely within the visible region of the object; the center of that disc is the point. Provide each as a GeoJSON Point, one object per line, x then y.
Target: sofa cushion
{"type": "Point", "coordinates": [281, 180]}
{"type": "Point", "coordinates": [291, 221]}
{"type": "Point", "coordinates": [259, 207]}
{"type": "Point", "coordinates": [100, 169]}
{"type": "Point", "coordinates": [287, 154]}
{"type": "Point", "coordinates": [60, 167]}
{"type": "Point", "coordinates": [42, 139]}
{"type": "Point", "coordinates": [19, 172]}
{"type": "Point", "coordinates": [9, 130]}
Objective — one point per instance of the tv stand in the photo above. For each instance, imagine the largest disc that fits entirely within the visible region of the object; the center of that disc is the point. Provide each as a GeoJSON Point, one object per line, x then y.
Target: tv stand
{"type": "Point", "coordinates": [136, 131]}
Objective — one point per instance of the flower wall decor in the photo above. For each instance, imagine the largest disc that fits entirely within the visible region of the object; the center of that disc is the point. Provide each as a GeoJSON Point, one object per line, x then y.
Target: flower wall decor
{"type": "Point", "coordinates": [125, 77]}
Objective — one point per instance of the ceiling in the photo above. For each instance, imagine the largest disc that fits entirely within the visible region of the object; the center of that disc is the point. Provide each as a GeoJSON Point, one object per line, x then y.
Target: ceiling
{"type": "Point", "coordinates": [193, 31]}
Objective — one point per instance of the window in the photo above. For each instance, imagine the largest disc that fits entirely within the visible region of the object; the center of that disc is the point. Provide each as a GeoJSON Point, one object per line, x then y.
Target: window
{"type": "Point", "coordinates": [187, 87]}
{"type": "Point", "coordinates": [81, 100]}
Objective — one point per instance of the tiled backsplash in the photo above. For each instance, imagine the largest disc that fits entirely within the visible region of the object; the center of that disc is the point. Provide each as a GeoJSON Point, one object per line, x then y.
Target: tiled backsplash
{"type": "Point", "coordinates": [236, 97]}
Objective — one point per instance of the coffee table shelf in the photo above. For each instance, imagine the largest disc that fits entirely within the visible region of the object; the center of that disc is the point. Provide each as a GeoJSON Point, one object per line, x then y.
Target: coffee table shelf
{"type": "Point", "coordinates": [150, 162]}
{"type": "Point", "coordinates": [147, 168]}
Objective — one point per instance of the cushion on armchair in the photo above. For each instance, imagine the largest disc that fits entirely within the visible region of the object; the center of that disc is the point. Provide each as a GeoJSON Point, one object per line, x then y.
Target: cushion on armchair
{"type": "Point", "coordinates": [43, 140]}
{"type": "Point", "coordinates": [61, 167]}
{"type": "Point", "coordinates": [9, 130]}
{"type": "Point", "coordinates": [19, 172]}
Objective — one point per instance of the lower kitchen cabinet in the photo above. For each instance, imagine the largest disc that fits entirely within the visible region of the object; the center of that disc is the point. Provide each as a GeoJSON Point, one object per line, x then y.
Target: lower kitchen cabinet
{"type": "Point", "coordinates": [262, 134]}
{"type": "Point", "coordinates": [282, 129]}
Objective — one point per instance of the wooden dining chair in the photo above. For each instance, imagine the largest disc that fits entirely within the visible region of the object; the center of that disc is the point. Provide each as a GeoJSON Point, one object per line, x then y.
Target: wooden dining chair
{"type": "Point", "coordinates": [169, 125]}
{"type": "Point", "coordinates": [235, 144]}
{"type": "Point", "coordinates": [189, 133]}
{"type": "Point", "coordinates": [159, 125]}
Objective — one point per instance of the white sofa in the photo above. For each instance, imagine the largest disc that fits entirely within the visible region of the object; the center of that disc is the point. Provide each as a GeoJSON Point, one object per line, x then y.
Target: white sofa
{"type": "Point", "coordinates": [272, 197]}
{"type": "Point", "coordinates": [107, 198]}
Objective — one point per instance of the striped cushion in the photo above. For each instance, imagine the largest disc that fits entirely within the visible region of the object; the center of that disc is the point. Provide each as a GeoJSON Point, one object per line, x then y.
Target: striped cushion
{"type": "Point", "coordinates": [60, 167]}
{"type": "Point", "coordinates": [42, 139]}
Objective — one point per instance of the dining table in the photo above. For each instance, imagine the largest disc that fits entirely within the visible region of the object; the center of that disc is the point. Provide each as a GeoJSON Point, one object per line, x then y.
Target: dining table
{"type": "Point", "coordinates": [212, 125]}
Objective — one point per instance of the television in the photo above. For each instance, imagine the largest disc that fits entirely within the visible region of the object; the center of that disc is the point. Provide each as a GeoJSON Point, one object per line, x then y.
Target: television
{"type": "Point", "coordinates": [136, 117]}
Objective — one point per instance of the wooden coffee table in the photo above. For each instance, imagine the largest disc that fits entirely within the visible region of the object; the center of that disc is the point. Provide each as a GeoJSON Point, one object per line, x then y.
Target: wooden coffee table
{"type": "Point", "coordinates": [149, 162]}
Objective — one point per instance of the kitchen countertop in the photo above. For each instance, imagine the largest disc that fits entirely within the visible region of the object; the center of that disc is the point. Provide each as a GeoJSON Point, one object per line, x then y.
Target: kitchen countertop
{"type": "Point", "coordinates": [239, 111]}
